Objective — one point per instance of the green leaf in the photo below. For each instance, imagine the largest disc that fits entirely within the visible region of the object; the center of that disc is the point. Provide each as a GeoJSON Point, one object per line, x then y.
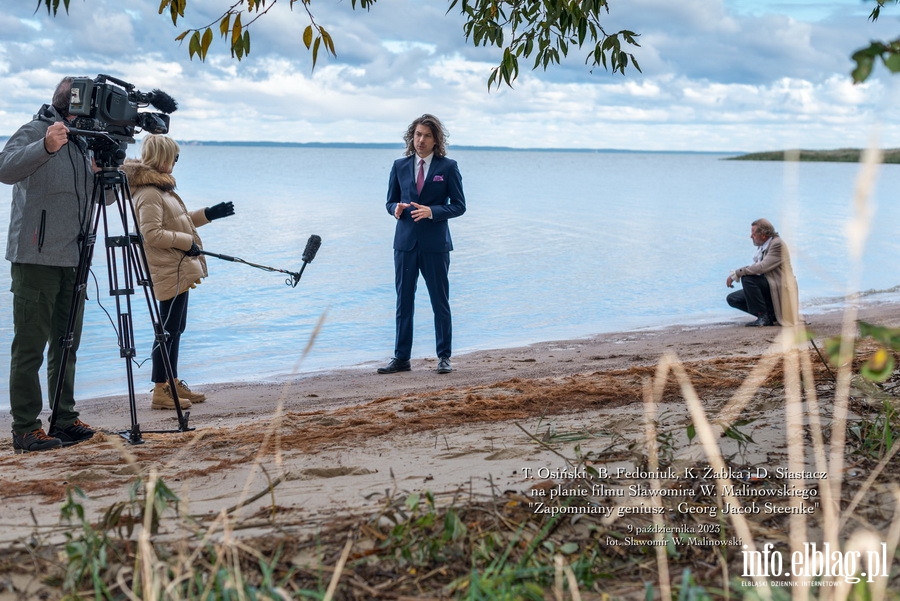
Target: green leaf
{"type": "Point", "coordinates": [236, 30]}
{"type": "Point", "coordinates": [206, 40]}
{"type": "Point", "coordinates": [492, 79]}
{"type": "Point", "coordinates": [315, 50]}
{"type": "Point", "coordinates": [307, 36]}
{"type": "Point", "coordinates": [454, 528]}
{"type": "Point", "coordinates": [176, 9]}
{"type": "Point", "coordinates": [194, 46]}
{"type": "Point", "coordinates": [329, 43]}
{"type": "Point", "coordinates": [863, 69]}
{"type": "Point", "coordinates": [635, 64]}
{"type": "Point", "coordinates": [892, 62]}
{"type": "Point", "coordinates": [733, 433]}
{"type": "Point", "coordinates": [889, 337]}
{"type": "Point", "coordinates": [56, 6]}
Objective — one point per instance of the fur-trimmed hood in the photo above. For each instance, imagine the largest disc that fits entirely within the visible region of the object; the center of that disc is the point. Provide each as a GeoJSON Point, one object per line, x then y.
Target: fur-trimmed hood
{"type": "Point", "coordinates": [169, 230]}
{"type": "Point", "coordinates": [139, 174]}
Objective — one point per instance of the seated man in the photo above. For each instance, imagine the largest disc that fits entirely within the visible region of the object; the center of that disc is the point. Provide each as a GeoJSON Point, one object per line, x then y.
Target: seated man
{"type": "Point", "coordinates": [769, 289]}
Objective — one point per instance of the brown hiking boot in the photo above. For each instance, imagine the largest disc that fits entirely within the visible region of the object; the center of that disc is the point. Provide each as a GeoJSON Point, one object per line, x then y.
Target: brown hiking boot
{"type": "Point", "coordinates": [162, 399]}
{"type": "Point", "coordinates": [186, 393]}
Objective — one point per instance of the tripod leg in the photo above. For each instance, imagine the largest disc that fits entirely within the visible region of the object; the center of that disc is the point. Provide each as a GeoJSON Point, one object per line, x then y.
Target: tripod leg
{"type": "Point", "coordinates": [78, 295]}
{"type": "Point", "coordinates": [121, 288]}
{"type": "Point", "coordinates": [140, 267]}
{"type": "Point", "coordinates": [126, 262]}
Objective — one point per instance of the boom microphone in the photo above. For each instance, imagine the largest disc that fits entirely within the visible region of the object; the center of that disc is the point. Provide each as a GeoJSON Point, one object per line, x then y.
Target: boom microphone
{"type": "Point", "coordinates": [309, 253]}
{"type": "Point", "coordinates": [312, 247]}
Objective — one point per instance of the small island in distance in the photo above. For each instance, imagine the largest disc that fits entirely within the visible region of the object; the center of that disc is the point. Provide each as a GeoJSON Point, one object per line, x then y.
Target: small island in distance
{"type": "Point", "coordinates": [840, 155]}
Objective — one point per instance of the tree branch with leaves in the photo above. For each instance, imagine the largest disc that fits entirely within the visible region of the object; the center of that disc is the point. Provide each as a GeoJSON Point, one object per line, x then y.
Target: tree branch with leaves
{"type": "Point", "coordinates": [887, 52]}
{"type": "Point", "coordinates": [540, 31]}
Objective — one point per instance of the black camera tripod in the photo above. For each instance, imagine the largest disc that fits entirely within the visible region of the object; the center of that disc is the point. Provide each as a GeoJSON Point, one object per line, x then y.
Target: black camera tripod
{"type": "Point", "coordinates": [131, 268]}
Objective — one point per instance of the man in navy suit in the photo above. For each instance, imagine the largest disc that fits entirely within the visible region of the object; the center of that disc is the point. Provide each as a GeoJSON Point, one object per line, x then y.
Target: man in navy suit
{"type": "Point", "coordinates": [424, 191]}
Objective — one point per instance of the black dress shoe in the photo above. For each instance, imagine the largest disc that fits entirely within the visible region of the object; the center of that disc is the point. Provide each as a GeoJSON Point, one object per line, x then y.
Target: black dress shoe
{"type": "Point", "coordinates": [762, 320]}
{"type": "Point", "coordinates": [394, 366]}
{"type": "Point", "coordinates": [444, 366]}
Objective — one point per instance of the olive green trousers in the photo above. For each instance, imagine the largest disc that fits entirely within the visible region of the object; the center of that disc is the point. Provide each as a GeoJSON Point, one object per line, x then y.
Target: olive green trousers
{"type": "Point", "coordinates": [42, 300]}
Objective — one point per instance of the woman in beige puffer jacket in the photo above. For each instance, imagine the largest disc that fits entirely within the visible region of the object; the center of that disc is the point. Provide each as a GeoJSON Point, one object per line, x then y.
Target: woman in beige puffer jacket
{"type": "Point", "coordinates": [172, 246]}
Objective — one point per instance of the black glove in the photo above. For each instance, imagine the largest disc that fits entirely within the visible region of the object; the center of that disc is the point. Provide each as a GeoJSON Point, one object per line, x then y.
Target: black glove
{"type": "Point", "coordinates": [223, 209]}
{"type": "Point", "coordinates": [194, 252]}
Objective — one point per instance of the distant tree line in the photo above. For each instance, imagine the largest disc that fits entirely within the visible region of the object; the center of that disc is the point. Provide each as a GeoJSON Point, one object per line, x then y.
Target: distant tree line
{"type": "Point", "coordinates": [840, 155]}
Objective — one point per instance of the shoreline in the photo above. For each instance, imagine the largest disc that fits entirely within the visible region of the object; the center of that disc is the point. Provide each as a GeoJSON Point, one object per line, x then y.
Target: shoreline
{"type": "Point", "coordinates": [110, 382]}
{"type": "Point", "coordinates": [338, 387]}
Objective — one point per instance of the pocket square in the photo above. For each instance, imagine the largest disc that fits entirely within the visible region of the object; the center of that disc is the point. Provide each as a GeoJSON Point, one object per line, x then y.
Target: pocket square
{"type": "Point", "coordinates": [438, 178]}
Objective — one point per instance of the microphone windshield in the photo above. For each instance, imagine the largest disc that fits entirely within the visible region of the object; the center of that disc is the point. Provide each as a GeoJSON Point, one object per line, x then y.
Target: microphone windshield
{"type": "Point", "coordinates": [162, 101]}
{"type": "Point", "coordinates": [312, 247]}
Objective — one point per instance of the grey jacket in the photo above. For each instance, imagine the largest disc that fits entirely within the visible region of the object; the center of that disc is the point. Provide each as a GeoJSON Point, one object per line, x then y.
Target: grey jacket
{"type": "Point", "coordinates": [51, 195]}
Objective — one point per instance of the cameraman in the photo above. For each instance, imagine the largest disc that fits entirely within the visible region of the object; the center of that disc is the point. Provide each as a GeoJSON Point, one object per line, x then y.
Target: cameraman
{"type": "Point", "coordinates": [52, 177]}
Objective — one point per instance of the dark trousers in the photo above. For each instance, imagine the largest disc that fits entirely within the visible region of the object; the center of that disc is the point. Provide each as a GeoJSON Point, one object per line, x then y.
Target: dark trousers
{"type": "Point", "coordinates": [173, 313]}
{"type": "Point", "coordinates": [42, 299]}
{"type": "Point", "coordinates": [754, 298]}
{"type": "Point", "coordinates": [434, 268]}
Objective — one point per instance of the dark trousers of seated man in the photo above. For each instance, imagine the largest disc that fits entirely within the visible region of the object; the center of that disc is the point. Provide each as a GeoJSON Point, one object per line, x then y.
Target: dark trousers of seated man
{"type": "Point", "coordinates": [754, 298]}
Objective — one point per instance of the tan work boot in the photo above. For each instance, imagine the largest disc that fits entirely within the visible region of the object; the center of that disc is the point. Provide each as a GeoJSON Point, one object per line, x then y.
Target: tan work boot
{"type": "Point", "coordinates": [186, 393]}
{"type": "Point", "coordinates": [162, 398]}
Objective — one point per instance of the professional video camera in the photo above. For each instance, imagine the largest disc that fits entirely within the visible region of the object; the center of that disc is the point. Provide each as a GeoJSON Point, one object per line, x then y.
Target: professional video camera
{"type": "Point", "coordinates": [108, 114]}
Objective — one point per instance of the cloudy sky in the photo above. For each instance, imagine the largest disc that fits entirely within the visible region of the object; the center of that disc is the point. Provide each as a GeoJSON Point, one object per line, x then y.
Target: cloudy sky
{"type": "Point", "coordinates": [727, 75]}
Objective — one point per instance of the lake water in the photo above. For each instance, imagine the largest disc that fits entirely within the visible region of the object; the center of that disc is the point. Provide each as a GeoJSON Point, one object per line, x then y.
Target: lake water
{"type": "Point", "coordinates": [554, 245]}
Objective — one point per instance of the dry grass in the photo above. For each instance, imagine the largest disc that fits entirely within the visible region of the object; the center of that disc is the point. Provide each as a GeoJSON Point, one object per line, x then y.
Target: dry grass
{"type": "Point", "coordinates": [447, 545]}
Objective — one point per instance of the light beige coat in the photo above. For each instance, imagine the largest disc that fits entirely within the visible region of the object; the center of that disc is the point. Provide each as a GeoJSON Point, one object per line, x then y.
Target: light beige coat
{"type": "Point", "coordinates": [168, 230]}
{"type": "Point", "coordinates": [776, 266]}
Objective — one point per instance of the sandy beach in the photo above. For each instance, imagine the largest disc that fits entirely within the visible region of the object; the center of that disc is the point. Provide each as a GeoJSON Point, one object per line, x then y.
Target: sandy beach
{"type": "Point", "coordinates": [336, 442]}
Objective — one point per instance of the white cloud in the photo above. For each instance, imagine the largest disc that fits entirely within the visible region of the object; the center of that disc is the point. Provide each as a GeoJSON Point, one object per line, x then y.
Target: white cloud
{"type": "Point", "coordinates": [717, 75]}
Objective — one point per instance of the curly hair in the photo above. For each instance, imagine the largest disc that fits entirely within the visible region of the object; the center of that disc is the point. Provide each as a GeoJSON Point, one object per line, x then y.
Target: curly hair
{"type": "Point", "coordinates": [437, 130]}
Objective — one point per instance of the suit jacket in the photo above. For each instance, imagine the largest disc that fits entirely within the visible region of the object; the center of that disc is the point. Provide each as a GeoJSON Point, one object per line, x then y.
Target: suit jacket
{"type": "Point", "coordinates": [443, 192]}
{"type": "Point", "coordinates": [776, 266]}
